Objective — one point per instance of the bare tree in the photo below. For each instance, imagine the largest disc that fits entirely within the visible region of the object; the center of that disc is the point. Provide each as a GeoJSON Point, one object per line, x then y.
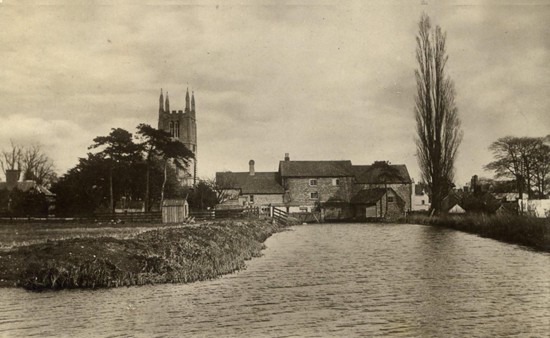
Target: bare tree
{"type": "Point", "coordinates": [11, 158]}
{"type": "Point", "coordinates": [525, 159]}
{"type": "Point", "coordinates": [37, 166]}
{"type": "Point", "coordinates": [224, 185]}
{"type": "Point", "coordinates": [437, 121]}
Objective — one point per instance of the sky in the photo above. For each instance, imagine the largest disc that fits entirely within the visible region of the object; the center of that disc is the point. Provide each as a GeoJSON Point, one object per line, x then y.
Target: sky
{"type": "Point", "coordinates": [320, 80]}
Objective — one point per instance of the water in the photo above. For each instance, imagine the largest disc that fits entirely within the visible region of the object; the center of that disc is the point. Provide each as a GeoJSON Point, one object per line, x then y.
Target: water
{"type": "Point", "coordinates": [331, 280]}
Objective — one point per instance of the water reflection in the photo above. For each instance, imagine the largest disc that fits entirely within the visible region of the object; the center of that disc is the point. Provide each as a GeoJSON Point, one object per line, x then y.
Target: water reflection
{"type": "Point", "coordinates": [330, 280]}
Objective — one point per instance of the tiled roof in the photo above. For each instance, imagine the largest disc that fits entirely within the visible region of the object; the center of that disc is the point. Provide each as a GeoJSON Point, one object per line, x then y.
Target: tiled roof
{"type": "Point", "coordinates": [373, 174]}
{"type": "Point", "coordinates": [259, 183]}
{"type": "Point", "coordinates": [315, 168]}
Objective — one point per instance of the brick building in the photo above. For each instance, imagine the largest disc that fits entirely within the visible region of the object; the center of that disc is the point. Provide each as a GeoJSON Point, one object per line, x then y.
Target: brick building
{"type": "Point", "coordinates": [338, 189]}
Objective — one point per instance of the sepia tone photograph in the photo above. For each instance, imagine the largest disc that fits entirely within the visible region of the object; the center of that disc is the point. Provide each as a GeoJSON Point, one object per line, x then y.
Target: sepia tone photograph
{"type": "Point", "coordinates": [270, 168]}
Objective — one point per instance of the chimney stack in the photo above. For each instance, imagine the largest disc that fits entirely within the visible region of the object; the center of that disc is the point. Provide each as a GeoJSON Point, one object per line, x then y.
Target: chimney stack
{"type": "Point", "coordinates": [251, 167]}
{"type": "Point", "coordinates": [287, 157]}
{"type": "Point", "coordinates": [12, 176]}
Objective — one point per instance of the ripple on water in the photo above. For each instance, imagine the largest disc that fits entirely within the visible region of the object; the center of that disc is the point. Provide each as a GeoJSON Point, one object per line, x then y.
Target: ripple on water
{"type": "Point", "coordinates": [319, 281]}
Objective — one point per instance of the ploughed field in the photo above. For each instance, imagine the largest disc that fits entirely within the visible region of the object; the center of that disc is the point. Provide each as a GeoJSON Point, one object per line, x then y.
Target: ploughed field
{"type": "Point", "coordinates": [58, 256]}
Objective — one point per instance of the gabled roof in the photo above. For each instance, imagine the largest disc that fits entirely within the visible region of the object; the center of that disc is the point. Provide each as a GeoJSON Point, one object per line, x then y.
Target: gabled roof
{"type": "Point", "coordinates": [259, 183]}
{"type": "Point", "coordinates": [368, 196]}
{"type": "Point", "coordinates": [373, 195]}
{"type": "Point", "coordinates": [315, 168]}
{"type": "Point", "coordinates": [375, 174]}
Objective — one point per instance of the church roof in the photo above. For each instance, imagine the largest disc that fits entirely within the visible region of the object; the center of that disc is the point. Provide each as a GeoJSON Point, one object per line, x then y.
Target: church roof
{"type": "Point", "coordinates": [315, 168]}
{"type": "Point", "coordinates": [259, 183]}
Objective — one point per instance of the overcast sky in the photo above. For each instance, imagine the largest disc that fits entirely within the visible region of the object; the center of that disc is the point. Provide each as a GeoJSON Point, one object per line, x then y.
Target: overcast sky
{"type": "Point", "coordinates": [321, 80]}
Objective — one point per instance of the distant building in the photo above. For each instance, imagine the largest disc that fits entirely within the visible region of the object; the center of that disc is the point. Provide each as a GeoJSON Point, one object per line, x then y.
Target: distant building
{"type": "Point", "coordinates": [182, 125]}
{"type": "Point", "coordinates": [420, 199]}
{"type": "Point", "coordinates": [338, 189]}
{"type": "Point", "coordinates": [13, 183]}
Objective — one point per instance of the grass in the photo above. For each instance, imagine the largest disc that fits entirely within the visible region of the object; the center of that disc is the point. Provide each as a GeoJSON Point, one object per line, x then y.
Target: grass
{"type": "Point", "coordinates": [23, 234]}
{"type": "Point", "coordinates": [164, 255]}
{"type": "Point", "coordinates": [523, 230]}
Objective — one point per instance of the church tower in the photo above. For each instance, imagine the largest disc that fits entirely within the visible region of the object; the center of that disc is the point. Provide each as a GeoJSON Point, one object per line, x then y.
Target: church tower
{"type": "Point", "coordinates": [182, 125]}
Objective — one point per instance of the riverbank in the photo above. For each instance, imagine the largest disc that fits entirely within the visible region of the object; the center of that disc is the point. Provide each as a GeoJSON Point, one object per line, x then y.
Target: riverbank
{"type": "Point", "coordinates": [168, 255]}
{"type": "Point", "coordinates": [528, 231]}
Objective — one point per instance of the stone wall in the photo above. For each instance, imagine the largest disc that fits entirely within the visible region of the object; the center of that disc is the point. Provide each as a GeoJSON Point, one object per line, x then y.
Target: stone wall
{"type": "Point", "coordinates": [299, 189]}
{"type": "Point", "coordinates": [395, 209]}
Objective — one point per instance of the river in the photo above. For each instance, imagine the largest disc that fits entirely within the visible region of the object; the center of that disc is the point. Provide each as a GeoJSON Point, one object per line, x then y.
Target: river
{"type": "Point", "coordinates": [330, 280]}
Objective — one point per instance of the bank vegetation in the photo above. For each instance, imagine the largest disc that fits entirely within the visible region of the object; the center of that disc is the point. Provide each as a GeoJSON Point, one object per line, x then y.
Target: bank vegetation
{"type": "Point", "coordinates": [528, 231]}
{"type": "Point", "coordinates": [164, 255]}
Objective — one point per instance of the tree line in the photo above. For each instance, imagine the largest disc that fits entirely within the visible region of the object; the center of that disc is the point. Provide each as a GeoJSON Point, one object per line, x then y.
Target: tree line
{"type": "Point", "coordinates": [140, 169]}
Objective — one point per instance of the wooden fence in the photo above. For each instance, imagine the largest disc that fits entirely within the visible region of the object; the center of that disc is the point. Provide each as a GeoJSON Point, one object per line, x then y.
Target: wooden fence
{"type": "Point", "coordinates": [129, 217]}
{"type": "Point", "coordinates": [224, 213]}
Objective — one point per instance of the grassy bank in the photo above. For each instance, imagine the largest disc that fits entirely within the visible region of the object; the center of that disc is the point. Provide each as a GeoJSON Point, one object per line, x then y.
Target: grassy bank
{"type": "Point", "coordinates": [168, 255]}
{"type": "Point", "coordinates": [22, 234]}
{"type": "Point", "coordinates": [528, 231]}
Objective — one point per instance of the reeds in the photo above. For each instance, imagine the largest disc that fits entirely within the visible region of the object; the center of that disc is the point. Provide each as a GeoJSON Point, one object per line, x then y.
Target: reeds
{"type": "Point", "coordinates": [523, 230]}
{"type": "Point", "coordinates": [171, 255]}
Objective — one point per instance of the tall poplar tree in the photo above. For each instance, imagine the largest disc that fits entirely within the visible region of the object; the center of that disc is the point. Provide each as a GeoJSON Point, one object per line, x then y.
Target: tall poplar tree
{"type": "Point", "coordinates": [437, 121]}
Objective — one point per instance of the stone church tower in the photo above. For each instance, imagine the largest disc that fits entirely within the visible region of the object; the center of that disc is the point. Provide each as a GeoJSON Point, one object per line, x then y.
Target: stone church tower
{"type": "Point", "coordinates": [181, 124]}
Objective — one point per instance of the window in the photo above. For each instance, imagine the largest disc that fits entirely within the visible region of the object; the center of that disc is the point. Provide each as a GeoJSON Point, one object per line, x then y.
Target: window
{"type": "Point", "coordinates": [390, 199]}
{"type": "Point", "coordinates": [423, 202]}
{"type": "Point", "coordinates": [251, 198]}
{"type": "Point", "coordinates": [172, 128]}
{"type": "Point", "coordinates": [335, 181]}
{"type": "Point", "coordinates": [177, 129]}
{"type": "Point", "coordinates": [314, 195]}
{"type": "Point", "coordinates": [313, 182]}
{"type": "Point", "coordinates": [303, 209]}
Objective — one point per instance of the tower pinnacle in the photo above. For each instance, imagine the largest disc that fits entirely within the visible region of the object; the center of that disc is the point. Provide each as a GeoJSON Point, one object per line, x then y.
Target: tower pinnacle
{"type": "Point", "coordinates": [193, 102]}
{"type": "Point", "coordinates": [187, 100]}
{"type": "Point", "coordinates": [161, 103]}
{"type": "Point", "coordinates": [167, 104]}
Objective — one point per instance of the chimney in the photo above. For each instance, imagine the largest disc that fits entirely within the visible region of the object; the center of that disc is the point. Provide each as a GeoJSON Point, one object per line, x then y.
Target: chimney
{"type": "Point", "coordinates": [12, 176]}
{"type": "Point", "coordinates": [251, 167]}
{"type": "Point", "coordinates": [287, 157]}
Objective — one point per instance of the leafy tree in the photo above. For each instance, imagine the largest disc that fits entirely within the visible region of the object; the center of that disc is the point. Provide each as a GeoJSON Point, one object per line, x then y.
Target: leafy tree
{"type": "Point", "coordinates": [437, 121]}
{"type": "Point", "coordinates": [158, 144]}
{"type": "Point", "coordinates": [120, 151]}
{"type": "Point", "coordinates": [83, 189]}
{"type": "Point", "coordinates": [202, 196]}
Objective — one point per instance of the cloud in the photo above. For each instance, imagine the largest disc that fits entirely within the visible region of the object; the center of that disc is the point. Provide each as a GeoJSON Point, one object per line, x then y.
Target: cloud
{"type": "Point", "coordinates": [321, 81]}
